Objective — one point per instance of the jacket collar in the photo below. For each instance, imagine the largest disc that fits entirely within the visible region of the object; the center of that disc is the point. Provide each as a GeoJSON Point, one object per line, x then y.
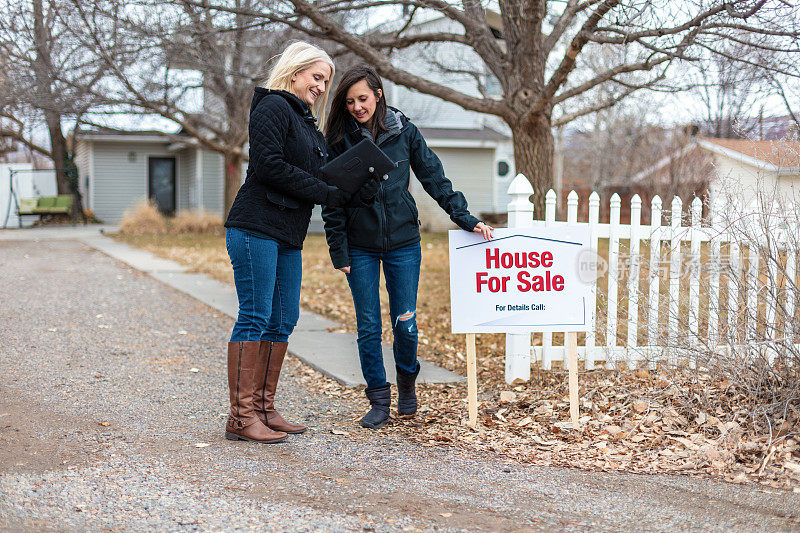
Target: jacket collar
{"type": "Point", "coordinates": [395, 122]}
{"type": "Point", "coordinates": [298, 105]}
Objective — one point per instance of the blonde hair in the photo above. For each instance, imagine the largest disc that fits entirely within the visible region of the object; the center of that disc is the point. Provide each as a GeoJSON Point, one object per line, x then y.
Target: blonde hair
{"type": "Point", "coordinates": [297, 57]}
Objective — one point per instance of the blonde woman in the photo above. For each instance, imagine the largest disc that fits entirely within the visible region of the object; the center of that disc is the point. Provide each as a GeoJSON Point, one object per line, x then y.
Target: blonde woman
{"type": "Point", "coordinates": [266, 227]}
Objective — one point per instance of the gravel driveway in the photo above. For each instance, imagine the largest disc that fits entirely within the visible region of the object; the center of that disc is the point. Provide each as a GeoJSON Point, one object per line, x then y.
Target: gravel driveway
{"type": "Point", "coordinates": [109, 380]}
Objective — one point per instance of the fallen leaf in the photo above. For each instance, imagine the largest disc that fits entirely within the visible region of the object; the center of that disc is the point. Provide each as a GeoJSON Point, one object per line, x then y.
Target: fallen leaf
{"type": "Point", "coordinates": [507, 396]}
{"type": "Point", "coordinates": [446, 515]}
{"type": "Point", "coordinates": [741, 477]}
{"type": "Point", "coordinates": [194, 369]}
{"type": "Point", "coordinates": [104, 423]}
{"type": "Point", "coordinates": [538, 440]}
{"type": "Point", "coordinates": [340, 432]}
{"type": "Point", "coordinates": [794, 467]}
{"type": "Point", "coordinates": [202, 445]}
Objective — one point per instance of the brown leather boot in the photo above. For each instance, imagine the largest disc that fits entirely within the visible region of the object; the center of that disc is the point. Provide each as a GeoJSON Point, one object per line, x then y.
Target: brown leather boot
{"type": "Point", "coordinates": [243, 424]}
{"type": "Point", "coordinates": [268, 370]}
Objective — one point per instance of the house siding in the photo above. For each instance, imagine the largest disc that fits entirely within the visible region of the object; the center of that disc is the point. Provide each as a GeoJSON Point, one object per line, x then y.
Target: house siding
{"type": "Point", "coordinates": [504, 153]}
{"type": "Point", "coordinates": [187, 165]}
{"type": "Point", "coordinates": [119, 183]}
{"type": "Point", "coordinates": [82, 161]}
{"type": "Point", "coordinates": [213, 181]}
{"type": "Point", "coordinates": [744, 181]}
{"type": "Point", "coordinates": [472, 172]}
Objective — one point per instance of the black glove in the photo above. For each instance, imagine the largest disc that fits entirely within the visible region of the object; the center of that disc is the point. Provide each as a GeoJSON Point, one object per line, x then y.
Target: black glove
{"type": "Point", "coordinates": [366, 194]}
{"type": "Point", "coordinates": [337, 197]}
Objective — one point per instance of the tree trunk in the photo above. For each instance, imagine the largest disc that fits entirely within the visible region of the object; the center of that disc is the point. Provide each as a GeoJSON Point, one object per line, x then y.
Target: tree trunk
{"type": "Point", "coordinates": [58, 149]}
{"type": "Point", "coordinates": [533, 156]}
{"type": "Point", "coordinates": [66, 172]}
{"type": "Point", "coordinates": [233, 179]}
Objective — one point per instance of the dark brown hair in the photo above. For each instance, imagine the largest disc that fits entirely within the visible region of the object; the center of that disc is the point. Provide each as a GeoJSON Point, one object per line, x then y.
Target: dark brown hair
{"type": "Point", "coordinates": [339, 116]}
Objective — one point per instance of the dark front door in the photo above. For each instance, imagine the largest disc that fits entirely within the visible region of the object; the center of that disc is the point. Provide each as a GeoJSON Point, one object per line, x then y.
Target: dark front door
{"type": "Point", "coordinates": [161, 183]}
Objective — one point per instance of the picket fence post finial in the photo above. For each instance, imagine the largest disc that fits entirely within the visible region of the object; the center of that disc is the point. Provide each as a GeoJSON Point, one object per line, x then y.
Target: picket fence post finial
{"type": "Point", "coordinates": [520, 208]}
{"type": "Point", "coordinates": [520, 185]}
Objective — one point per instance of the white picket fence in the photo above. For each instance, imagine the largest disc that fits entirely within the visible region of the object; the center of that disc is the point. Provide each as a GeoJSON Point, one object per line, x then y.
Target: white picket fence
{"type": "Point", "coordinates": [682, 245]}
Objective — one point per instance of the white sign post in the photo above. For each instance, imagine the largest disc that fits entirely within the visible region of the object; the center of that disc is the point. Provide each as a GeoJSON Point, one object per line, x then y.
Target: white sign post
{"type": "Point", "coordinates": [523, 280]}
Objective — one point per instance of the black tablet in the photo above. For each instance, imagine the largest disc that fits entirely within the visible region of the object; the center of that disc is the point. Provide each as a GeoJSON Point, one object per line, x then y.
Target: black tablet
{"type": "Point", "coordinates": [351, 169]}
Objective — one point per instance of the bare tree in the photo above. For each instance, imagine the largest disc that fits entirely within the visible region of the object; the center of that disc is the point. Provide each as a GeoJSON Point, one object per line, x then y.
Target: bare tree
{"type": "Point", "coordinates": [184, 62]}
{"type": "Point", "coordinates": [729, 91]}
{"type": "Point", "coordinates": [782, 89]}
{"type": "Point", "coordinates": [45, 82]}
{"type": "Point", "coordinates": [535, 51]}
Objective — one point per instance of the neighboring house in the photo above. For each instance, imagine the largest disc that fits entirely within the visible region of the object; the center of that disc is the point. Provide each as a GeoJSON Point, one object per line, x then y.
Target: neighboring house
{"type": "Point", "coordinates": [747, 166]}
{"type": "Point", "coordinates": [117, 170]}
{"type": "Point", "coordinates": [725, 167]}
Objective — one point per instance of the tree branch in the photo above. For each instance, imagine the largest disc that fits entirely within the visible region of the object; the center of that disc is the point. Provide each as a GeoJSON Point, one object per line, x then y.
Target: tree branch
{"type": "Point", "coordinates": [17, 136]}
{"type": "Point", "coordinates": [610, 102]}
{"type": "Point", "coordinates": [336, 32]}
{"type": "Point", "coordinates": [569, 59]}
{"type": "Point", "coordinates": [606, 76]}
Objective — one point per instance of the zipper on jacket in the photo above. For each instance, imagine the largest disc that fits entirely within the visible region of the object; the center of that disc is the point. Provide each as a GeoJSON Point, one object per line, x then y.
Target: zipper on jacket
{"type": "Point", "coordinates": [385, 220]}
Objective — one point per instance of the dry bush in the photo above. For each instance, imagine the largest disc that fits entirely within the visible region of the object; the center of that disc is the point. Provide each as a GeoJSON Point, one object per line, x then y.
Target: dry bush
{"type": "Point", "coordinates": [196, 222]}
{"type": "Point", "coordinates": [749, 331]}
{"type": "Point", "coordinates": [144, 217]}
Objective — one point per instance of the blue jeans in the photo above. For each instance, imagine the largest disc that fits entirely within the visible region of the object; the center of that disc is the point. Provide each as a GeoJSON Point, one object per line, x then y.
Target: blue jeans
{"type": "Point", "coordinates": [401, 269]}
{"type": "Point", "coordinates": [267, 277]}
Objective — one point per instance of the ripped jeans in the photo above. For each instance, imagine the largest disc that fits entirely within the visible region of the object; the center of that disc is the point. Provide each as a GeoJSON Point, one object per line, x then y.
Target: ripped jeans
{"type": "Point", "coordinates": [401, 269]}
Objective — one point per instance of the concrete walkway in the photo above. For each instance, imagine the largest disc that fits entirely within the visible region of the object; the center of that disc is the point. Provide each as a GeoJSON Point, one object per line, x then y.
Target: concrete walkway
{"type": "Point", "coordinates": [333, 354]}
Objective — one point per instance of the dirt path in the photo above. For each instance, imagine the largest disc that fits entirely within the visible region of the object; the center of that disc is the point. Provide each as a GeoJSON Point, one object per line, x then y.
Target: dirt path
{"type": "Point", "coordinates": [100, 414]}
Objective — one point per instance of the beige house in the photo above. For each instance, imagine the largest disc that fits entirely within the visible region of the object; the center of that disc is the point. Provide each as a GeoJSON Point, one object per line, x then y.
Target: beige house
{"type": "Point", "coordinates": [744, 167]}
{"type": "Point", "coordinates": [726, 168]}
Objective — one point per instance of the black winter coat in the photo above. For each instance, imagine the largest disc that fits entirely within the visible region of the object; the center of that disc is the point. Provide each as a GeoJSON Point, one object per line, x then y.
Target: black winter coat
{"type": "Point", "coordinates": [281, 186]}
{"type": "Point", "coordinates": [392, 222]}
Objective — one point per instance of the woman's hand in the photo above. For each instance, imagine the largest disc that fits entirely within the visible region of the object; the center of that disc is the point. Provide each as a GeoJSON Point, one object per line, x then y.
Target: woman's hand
{"type": "Point", "coordinates": [346, 270]}
{"type": "Point", "coordinates": [484, 230]}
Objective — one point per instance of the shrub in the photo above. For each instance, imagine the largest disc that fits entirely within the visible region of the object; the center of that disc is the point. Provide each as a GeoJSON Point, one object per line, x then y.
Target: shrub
{"type": "Point", "coordinates": [196, 222]}
{"type": "Point", "coordinates": [144, 217]}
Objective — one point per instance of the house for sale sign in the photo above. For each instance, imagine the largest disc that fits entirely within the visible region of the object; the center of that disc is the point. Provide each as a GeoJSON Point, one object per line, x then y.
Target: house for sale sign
{"type": "Point", "coordinates": [524, 279]}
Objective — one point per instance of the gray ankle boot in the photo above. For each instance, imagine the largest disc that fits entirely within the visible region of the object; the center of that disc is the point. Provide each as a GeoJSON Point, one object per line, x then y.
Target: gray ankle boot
{"type": "Point", "coordinates": [380, 400]}
{"type": "Point", "coordinates": [406, 392]}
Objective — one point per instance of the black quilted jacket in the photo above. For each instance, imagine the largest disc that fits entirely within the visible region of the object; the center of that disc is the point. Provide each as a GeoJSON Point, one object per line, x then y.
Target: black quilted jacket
{"type": "Point", "coordinates": [281, 187]}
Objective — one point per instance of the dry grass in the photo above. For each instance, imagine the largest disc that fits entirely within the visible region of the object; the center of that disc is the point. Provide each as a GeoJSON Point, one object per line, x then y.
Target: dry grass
{"type": "Point", "coordinates": [633, 420]}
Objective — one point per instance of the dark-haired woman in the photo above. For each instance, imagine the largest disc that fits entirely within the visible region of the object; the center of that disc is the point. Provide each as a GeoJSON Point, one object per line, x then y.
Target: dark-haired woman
{"type": "Point", "coordinates": [385, 232]}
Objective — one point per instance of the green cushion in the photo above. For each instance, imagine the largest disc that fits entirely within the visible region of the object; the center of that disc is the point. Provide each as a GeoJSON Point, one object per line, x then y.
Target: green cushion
{"type": "Point", "coordinates": [46, 201]}
{"type": "Point", "coordinates": [27, 205]}
{"type": "Point", "coordinates": [64, 201]}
